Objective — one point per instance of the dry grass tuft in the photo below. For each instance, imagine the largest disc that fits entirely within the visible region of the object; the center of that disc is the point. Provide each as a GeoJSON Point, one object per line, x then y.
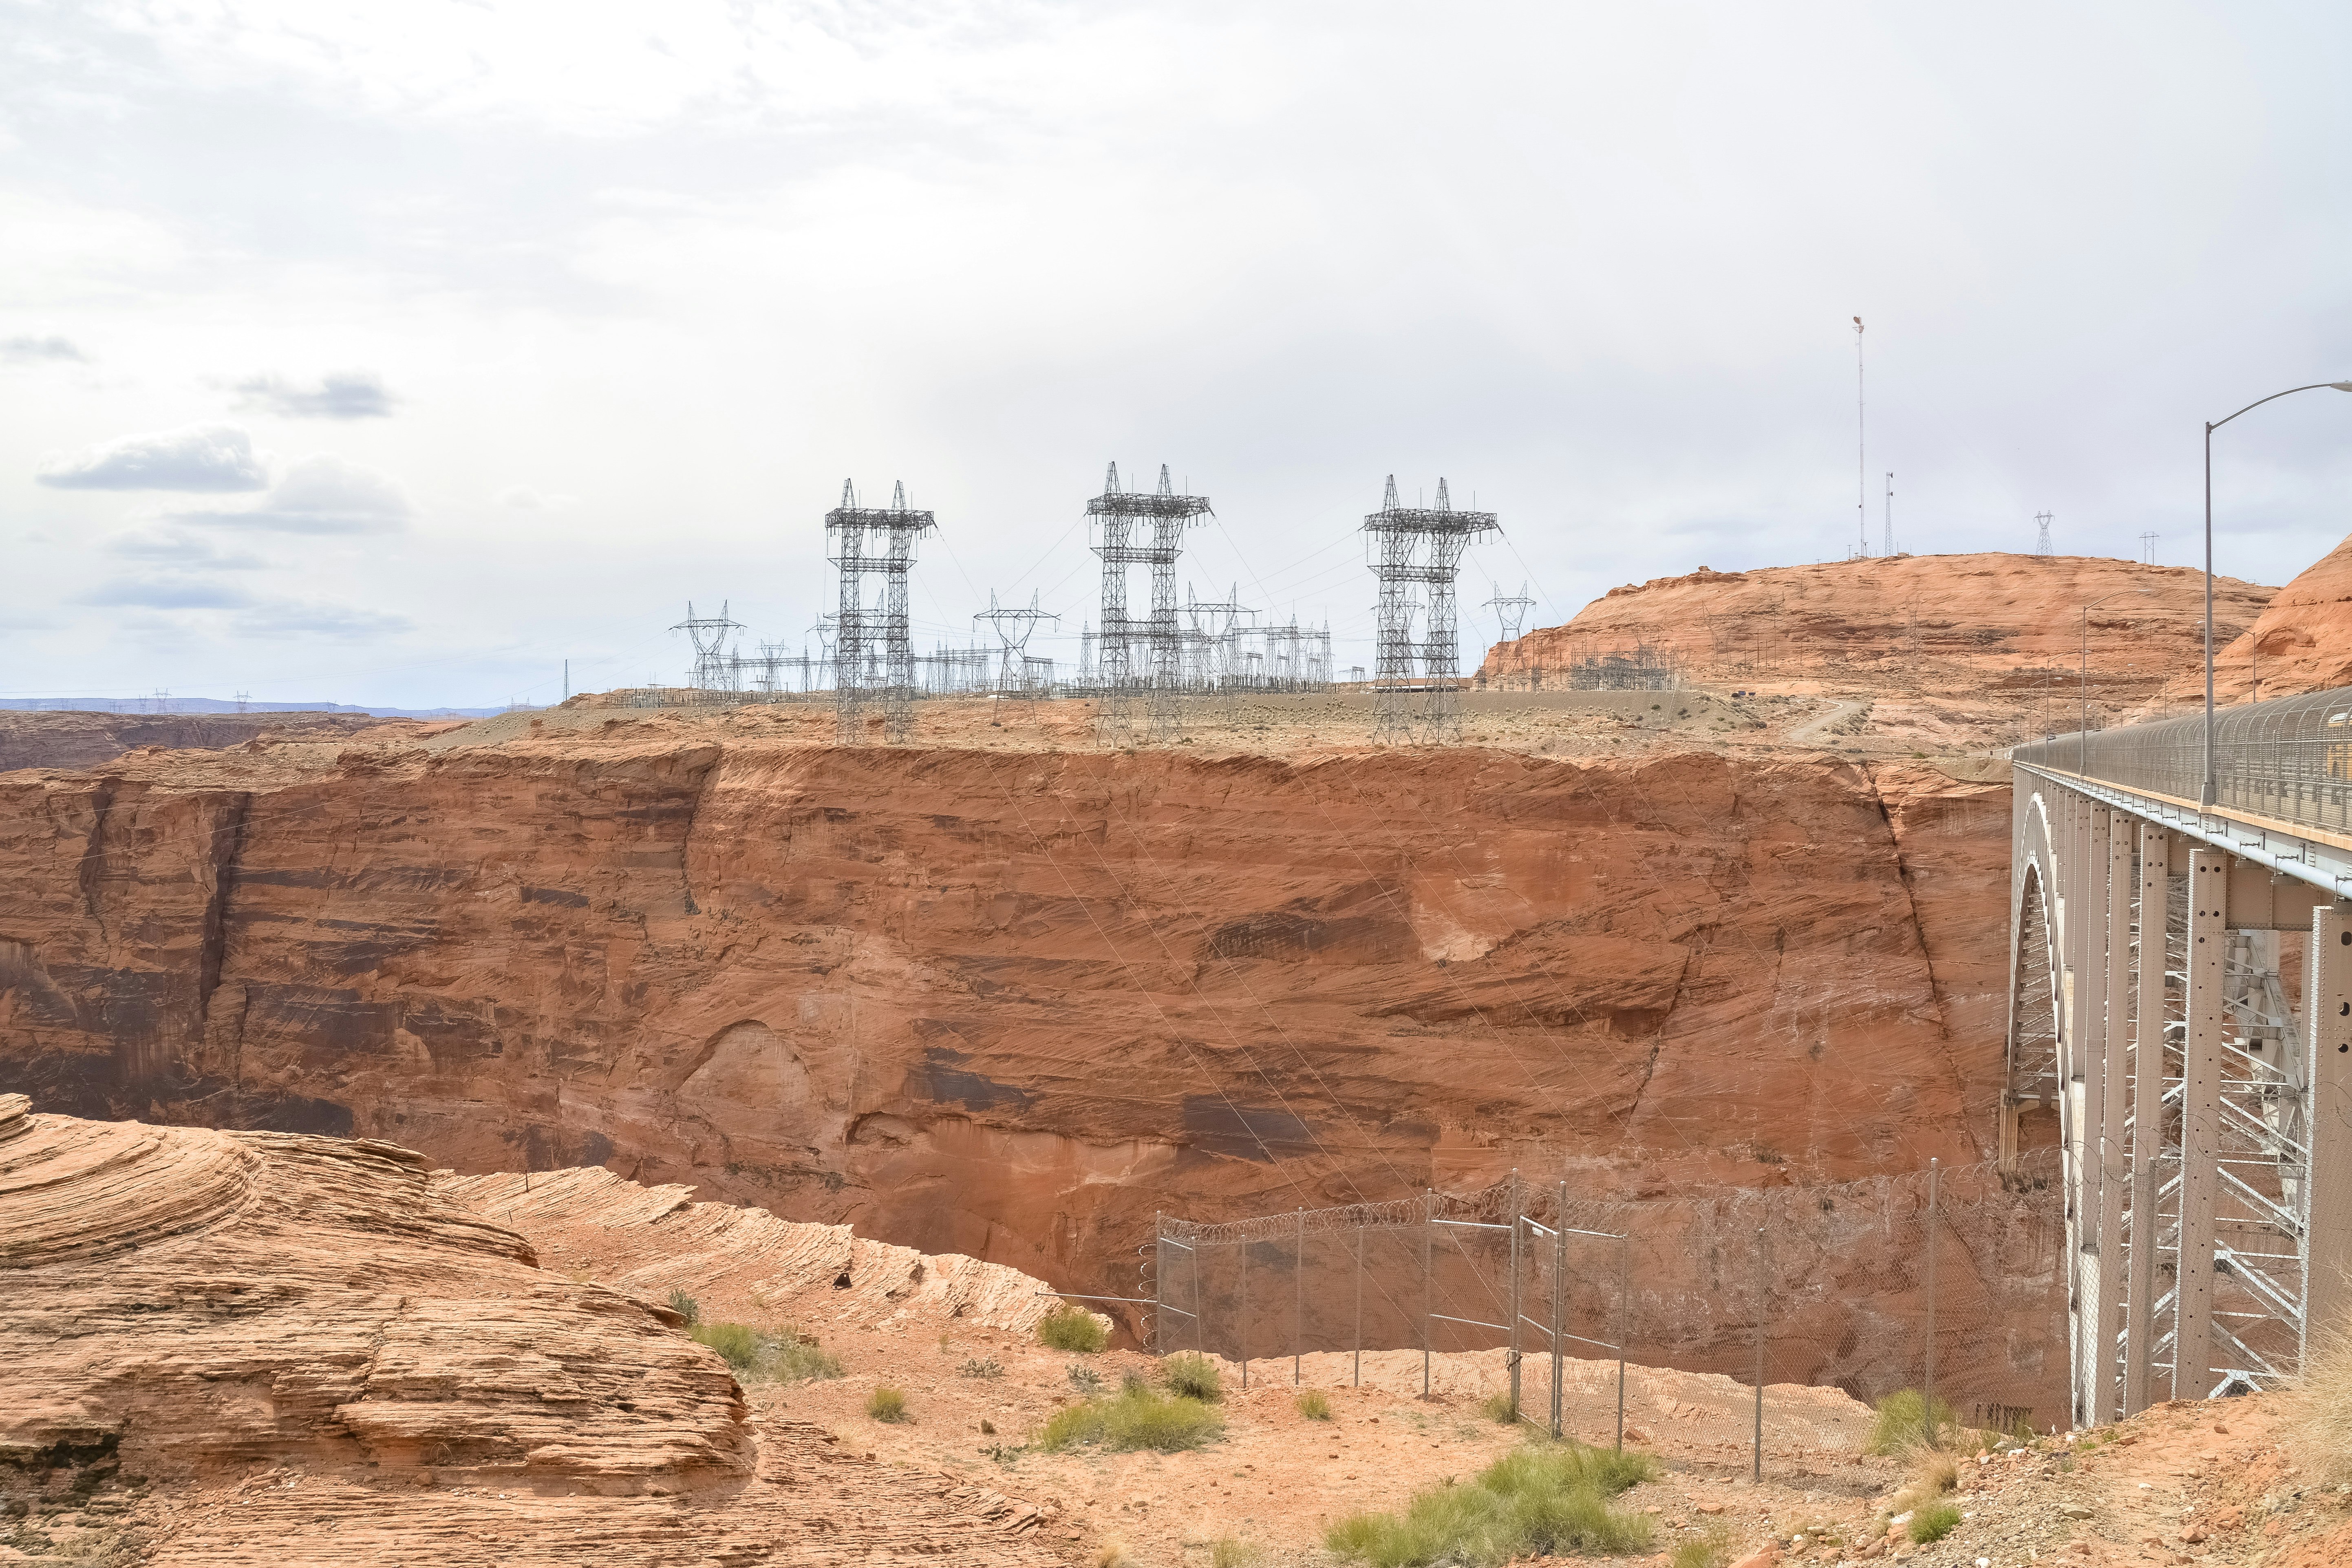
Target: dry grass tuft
{"type": "Point", "coordinates": [2318, 1415]}
{"type": "Point", "coordinates": [1931, 1473]}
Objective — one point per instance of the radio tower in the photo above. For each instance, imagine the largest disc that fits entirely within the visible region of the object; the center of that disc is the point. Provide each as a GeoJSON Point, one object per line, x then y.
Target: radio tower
{"type": "Point", "coordinates": [871, 657]}
{"type": "Point", "coordinates": [1861, 479]}
{"type": "Point", "coordinates": [1140, 653]}
{"type": "Point", "coordinates": [2041, 541]}
{"type": "Point", "coordinates": [1410, 547]}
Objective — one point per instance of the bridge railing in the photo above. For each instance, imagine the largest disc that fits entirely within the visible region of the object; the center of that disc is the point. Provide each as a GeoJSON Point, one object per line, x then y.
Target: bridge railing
{"type": "Point", "coordinates": [2289, 760]}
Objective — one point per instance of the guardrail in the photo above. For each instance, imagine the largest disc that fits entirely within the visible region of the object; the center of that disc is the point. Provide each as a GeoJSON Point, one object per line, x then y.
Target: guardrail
{"type": "Point", "coordinates": [2288, 759]}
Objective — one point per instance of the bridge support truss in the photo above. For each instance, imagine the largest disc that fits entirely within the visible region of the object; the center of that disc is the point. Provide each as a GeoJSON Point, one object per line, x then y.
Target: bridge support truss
{"type": "Point", "coordinates": [2203, 1104]}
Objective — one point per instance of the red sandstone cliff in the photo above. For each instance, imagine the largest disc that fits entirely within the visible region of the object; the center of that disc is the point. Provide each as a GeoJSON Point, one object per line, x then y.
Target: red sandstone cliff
{"type": "Point", "coordinates": [1009, 1004]}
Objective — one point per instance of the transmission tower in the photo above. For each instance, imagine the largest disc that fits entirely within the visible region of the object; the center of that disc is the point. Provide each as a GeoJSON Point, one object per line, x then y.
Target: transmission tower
{"type": "Point", "coordinates": [1012, 627]}
{"type": "Point", "coordinates": [1140, 654]}
{"type": "Point", "coordinates": [1510, 612]}
{"type": "Point", "coordinates": [1412, 547]}
{"type": "Point", "coordinates": [243, 701]}
{"type": "Point", "coordinates": [2041, 542]}
{"type": "Point", "coordinates": [872, 658]}
{"type": "Point", "coordinates": [712, 669]}
{"type": "Point", "coordinates": [2147, 548]}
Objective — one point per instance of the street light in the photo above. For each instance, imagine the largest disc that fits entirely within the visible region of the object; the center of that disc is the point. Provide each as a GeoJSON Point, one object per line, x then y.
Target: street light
{"type": "Point", "coordinates": [2205, 801]}
{"type": "Point", "coordinates": [2083, 735]}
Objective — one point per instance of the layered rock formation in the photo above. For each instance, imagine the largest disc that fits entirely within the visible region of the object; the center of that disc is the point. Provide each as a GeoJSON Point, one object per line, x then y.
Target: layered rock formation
{"type": "Point", "coordinates": [1010, 1005]}
{"type": "Point", "coordinates": [2301, 642]}
{"type": "Point", "coordinates": [75, 740]}
{"type": "Point", "coordinates": [1990, 626]}
{"type": "Point", "coordinates": [242, 1340]}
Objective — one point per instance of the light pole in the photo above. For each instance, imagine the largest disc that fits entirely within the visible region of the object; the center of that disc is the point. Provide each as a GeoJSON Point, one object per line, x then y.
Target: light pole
{"type": "Point", "coordinates": [2205, 800]}
{"type": "Point", "coordinates": [2083, 735]}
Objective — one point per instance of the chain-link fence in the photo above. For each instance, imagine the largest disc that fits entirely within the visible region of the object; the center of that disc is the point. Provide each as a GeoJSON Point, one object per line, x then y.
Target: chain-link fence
{"type": "Point", "coordinates": [1945, 1283]}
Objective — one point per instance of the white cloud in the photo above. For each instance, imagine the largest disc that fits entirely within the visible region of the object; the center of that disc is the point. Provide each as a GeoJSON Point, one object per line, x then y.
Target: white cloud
{"type": "Point", "coordinates": [28, 348]}
{"type": "Point", "coordinates": [339, 395]}
{"type": "Point", "coordinates": [167, 591]}
{"type": "Point", "coordinates": [320, 494]}
{"type": "Point", "coordinates": [207, 458]}
{"type": "Point", "coordinates": [523, 497]}
{"type": "Point", "coordinates": [180, 550]}
{"type": "Point", "coordinates": [289, 618]}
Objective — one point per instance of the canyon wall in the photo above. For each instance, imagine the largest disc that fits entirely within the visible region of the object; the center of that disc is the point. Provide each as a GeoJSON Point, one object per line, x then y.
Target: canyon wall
{"type": "Point", "coordinates": [1009, 1004]}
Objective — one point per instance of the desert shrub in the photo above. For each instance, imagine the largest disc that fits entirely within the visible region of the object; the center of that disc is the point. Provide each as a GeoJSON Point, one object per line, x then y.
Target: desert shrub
{"type": "Point", "coordinates": [686, 1307]}
{"type": "Point", "coordinates": [888, 1404]}
{"type": "Point", "coordinates": [2318, 1425]}
{"type": "Point", "coordinates": [1710, 1550]}
{"type": "Point", "coordinates": [1071, 1328]}
{"type": "Point", "coordinates": [1084, 1379]}
{"type": "Point", "coordinates": [1932, 1474]}
{"type": "Point", "coordinates": [1141, 1418]}
{"type": "Point", "coordinates": [765, 1356]}
{"type": "Point", "coordinates": [1544, 1500]}
{"type": "Point", "coordinates": [1498, 1407]}
{"type": "Point", "coordinates": [1132, 1380]}
{"type": "Point", "coordinates": [1191, 1375]}
{"type": "Point", "coordinates": [1313, 1405]}
{"type": "Point", "coordinates": [1900, 1420]}
{"type": "Point", "coordinates": [980, 1367]}
{"type": "Point", "coordinates": [1230, 1551]}
{"type": "Point", "coordinates": [1933, 1521]}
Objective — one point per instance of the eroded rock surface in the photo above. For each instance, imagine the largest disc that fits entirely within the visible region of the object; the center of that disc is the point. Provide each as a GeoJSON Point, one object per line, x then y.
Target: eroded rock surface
{"type": "Point", "coordinates": [220, 1343]}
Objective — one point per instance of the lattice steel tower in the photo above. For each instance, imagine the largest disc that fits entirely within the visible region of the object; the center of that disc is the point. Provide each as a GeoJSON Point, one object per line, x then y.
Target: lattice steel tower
{"type": "Point", "coordinates": [1510, 611]}
{"type": "Point", "coordinates": [872, 659]}
{"type": "Point", "coordinates": [1410, 548]}
{"type": "Point", "coordinates": [1140, 654]}
{"type": "Point", "coordinates": [712, 669]}
{"type": "Point", "coordinates": [1012, 624]}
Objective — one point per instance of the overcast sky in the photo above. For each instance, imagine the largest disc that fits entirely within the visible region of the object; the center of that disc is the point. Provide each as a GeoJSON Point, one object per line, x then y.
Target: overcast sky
{"type": "Point", "coordinates": [393, 351]}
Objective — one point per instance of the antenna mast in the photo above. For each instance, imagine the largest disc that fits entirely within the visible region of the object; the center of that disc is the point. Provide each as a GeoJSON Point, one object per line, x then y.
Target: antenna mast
{"type": "Point", "coordinates": [1889, 552]}
{"type": "Point", "coordinates": [1860, 467]}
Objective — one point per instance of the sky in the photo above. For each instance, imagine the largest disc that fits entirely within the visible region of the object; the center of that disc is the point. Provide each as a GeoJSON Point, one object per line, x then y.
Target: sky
{"type": "Point", "coordinates": [396, 351]}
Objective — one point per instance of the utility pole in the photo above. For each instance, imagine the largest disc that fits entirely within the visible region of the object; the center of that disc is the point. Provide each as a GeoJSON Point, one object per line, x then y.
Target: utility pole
{"type": "Point", "coordinates": [1890, 513]}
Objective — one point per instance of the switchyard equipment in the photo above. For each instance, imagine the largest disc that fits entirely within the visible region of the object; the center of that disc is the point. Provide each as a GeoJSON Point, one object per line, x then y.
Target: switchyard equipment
{"type": "Point", "coordinates": [1413, 548]}
{"type": "Point", "coordinates": [1139, 654]}
{"type": "Point", "coordinates": [872, 662]}
{"type": "Point", "coordinates": [2205, 1121]}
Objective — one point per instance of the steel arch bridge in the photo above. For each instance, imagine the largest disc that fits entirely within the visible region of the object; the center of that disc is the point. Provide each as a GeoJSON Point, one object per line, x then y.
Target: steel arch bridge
{"type": "Point", "coordinates": [2180, 1026]}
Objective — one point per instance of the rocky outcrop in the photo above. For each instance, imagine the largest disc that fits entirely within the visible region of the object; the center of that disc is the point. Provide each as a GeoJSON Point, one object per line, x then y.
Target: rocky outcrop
{"type": "Point", "coordinates": [241, 1339]}
{"type": "Point", "coordinates": [1984, 626]}
{"type": "Point", "coordinates": [1007, 1004]}
{"type": "Point", "coordinates": [2301, 642]}
{"type": "Point", "coordinates": [655, 1240]}
{"type": "Point", "coordinates": [76, 740]}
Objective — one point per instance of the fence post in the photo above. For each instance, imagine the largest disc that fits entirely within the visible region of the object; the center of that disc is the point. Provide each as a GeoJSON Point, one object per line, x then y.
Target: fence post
{"type": "Point", "coordinates": [1558, 1299]}
{"type": "Point", "coordinates": [1428, 1225]}
{"type": "Point", "coordinates": [1298, 1300]}
{"type": "Point", "coordinates": [1159, 1274]}
{"type": "Point", "coordinates": [1360, 1304]}
{"type": "Point", "coordinates": [1624, 1319]}
{"type": "Point", "coordinates": [1200, 1307]}
{"type": "Point", "coordinates": [1756, 1470]}
{"type": "Point", "coordinates": [1511, 1297]}
{"type": "Point", "coordinates": [1241, 1323]}
{"type": "Point", "coordinates": [1927, 1400]}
